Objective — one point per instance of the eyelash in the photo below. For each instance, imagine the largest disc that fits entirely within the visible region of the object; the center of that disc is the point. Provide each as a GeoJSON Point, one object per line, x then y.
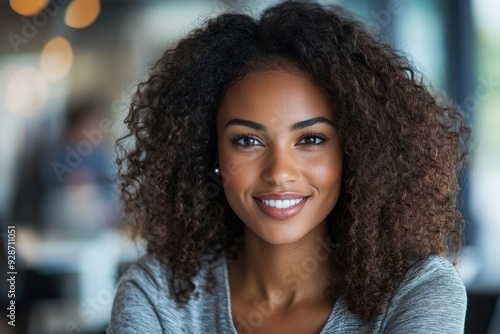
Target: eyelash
{"type": "Point", "coordinates": [319, 135]}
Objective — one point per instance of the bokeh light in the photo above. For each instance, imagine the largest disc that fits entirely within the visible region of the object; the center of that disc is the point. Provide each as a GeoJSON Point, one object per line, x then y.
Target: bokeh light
{"type": "Point", "coordinates": [82, 13]}
{"type": "Point", "coordinates": [56, 59]}
{"type": "Point", "coordinates": [28, 7]}
{"type": "Point", "coordinates": [27, 91]}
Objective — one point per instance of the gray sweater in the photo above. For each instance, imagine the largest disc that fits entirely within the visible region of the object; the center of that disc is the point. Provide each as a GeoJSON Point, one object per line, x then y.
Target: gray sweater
{"type": "Point", "coordinates": [431, 299]}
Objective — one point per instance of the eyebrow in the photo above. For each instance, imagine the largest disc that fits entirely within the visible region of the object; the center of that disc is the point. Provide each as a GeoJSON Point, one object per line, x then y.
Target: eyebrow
{"type": "Point", "coordinates": [294, 127]}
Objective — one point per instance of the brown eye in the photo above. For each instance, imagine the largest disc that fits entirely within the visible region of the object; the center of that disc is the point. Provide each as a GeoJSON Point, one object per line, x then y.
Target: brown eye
{"type": "Point", "coordinates": [245, 141]}
{"type": "Point", "coordinates": [314, 139]}
{"type": "Point", "coordinates": [310, 140]}
{"type": "Point", "coordinates": [248, 141]}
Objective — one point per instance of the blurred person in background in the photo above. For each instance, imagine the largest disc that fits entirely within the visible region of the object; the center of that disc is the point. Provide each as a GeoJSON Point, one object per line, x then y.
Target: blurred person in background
{"type": "Point", "coordinates": [79, 201]}
{"type": "Point", "coordinates": [64, 188]}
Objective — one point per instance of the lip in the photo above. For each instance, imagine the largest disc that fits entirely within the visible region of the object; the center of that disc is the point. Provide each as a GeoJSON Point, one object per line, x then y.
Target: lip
{"type": "Point", "coordinates": [281, 213]}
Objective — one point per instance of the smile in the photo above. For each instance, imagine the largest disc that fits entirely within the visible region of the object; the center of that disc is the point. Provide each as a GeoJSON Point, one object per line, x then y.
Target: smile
{"type": "Point", "coordinates": [281, 209]}
{"type": "Point", "coordinates": [282, 204]}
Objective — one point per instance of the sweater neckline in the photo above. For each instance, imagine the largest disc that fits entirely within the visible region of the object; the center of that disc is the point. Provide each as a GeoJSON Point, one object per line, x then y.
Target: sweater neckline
{"type": "Point", "coordinates": [229, 314]}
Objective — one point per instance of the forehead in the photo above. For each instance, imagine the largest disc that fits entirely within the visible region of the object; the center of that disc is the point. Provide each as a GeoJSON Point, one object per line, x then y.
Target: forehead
{"type": "Point", "coordinates": [274, 94]}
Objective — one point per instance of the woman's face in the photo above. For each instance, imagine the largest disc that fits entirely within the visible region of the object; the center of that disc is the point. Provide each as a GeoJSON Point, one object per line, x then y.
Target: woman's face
{"type": "Point", "coordinates": [275, 137]}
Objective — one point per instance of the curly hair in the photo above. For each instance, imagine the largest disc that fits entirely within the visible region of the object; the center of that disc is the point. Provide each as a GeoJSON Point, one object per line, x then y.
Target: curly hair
{"type": "Point", "coordinates": [403, 149]}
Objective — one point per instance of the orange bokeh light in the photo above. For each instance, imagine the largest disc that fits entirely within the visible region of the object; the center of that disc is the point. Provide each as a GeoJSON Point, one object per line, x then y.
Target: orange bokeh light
{"type": "Point", "coordinates": [82, 13]}
{"type": "Point", "coordinates": [56, 59]}
{"type": "Point", "coordinates": [28, 7]}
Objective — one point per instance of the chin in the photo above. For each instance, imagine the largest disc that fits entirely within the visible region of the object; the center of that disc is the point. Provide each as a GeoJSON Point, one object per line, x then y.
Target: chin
{"type": "Point", "coordinates": [280, 236]}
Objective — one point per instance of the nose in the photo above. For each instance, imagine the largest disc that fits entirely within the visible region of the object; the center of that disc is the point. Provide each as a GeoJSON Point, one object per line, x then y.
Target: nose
{"type": "Point", "coordinates": [280, 167]}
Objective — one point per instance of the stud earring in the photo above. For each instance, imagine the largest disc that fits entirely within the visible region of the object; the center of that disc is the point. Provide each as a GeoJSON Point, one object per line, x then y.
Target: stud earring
{"type": "Point", "coordinates": [217, 171]}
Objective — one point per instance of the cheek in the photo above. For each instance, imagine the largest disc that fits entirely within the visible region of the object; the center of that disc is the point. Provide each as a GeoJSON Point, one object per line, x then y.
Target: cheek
{"type": "Point", "coordinates": [231, 164]}
{"type": "Point", "coordinates": [326, 172]}
{"type": "Point", "coordinates": [237, 177]}
{"type": "Point", "coordinates": [239, 182]}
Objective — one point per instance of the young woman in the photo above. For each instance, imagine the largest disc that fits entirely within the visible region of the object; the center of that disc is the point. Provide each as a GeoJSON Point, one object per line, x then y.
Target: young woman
{"type": "Point", "coordinates": [291, 175]}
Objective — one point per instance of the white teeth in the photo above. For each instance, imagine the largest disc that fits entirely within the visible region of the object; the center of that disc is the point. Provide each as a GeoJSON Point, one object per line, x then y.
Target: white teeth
{"type": "Point", "coordinates": [282, 204]}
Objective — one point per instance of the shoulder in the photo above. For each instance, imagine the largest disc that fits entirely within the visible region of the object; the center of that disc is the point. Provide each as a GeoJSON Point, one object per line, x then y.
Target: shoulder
{"type": "Point", "coordinates": [143, 302]}
{"type": "Point", "coordinates": [147, 271]}
{"type": "Point", "coordinates": [435, 273]}
{"type": "Point", "coordinates": [151, 274]}
{"type": "Point", "coordinates": [148, 263]}
{"type": "Point", "coordinates": [431, 299]}
{"type": "Point", "coordinates": [136, 298]}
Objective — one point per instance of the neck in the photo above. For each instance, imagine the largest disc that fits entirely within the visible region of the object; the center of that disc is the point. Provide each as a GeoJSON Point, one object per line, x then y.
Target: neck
{"type": "Point", "coordinates": [290, 274]}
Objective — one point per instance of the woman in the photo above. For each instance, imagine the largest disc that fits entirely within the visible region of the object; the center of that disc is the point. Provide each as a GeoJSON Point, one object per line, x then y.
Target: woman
{"type": "Point", "coordinates": [291, 175]}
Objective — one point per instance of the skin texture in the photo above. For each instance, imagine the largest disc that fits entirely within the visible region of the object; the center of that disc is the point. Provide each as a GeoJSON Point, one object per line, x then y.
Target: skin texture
{"type": "Point", "coordinates": [403, 150]}
{"type": "Point", "coordinates": [278, 160]}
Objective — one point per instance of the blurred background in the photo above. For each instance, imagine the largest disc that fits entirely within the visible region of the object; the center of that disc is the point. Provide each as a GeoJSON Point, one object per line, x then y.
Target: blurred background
{"type": "Point", "coordinates": [67, 71]}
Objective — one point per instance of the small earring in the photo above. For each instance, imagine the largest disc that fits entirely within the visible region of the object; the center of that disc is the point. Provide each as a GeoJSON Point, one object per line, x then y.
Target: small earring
{"type": "Point", "coordinates": [217, 171]}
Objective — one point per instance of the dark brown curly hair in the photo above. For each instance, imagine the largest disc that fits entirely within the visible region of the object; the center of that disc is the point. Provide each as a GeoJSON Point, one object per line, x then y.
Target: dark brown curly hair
{"type": "Point", "coordinates": [403, 149]}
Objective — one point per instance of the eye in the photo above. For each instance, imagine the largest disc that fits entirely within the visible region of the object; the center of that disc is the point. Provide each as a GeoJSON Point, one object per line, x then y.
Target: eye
{"type": "Point", "coordinates": [311, 139]}
{"type": "Point", "coordinates": [245, 141]}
